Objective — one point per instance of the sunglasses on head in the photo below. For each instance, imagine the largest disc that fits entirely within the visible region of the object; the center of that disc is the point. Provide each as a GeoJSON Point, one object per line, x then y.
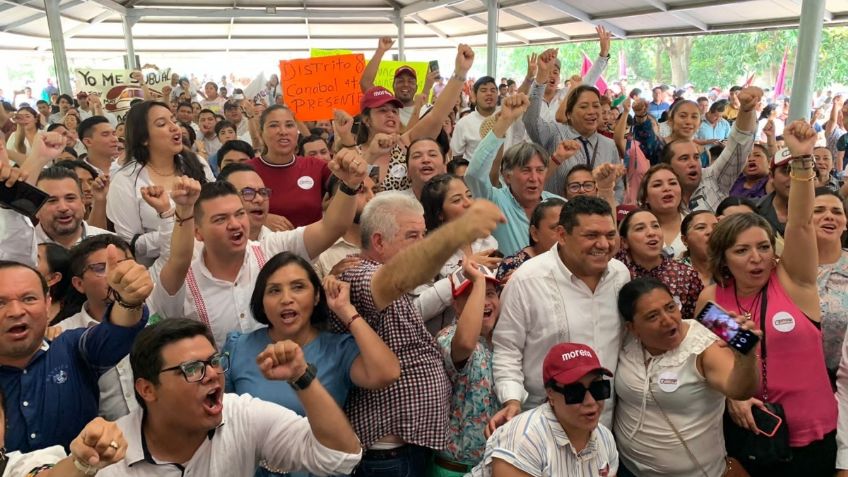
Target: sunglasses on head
{"type": "Point", "coordinates": [575, 393]}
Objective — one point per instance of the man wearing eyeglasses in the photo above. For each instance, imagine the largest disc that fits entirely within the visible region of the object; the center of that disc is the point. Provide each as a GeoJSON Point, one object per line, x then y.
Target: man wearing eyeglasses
{"type": "Point", "coordinates": [187, 426]}
{"type": "Point", "coordinates": [215, 287]}
{"type": "Point", "coordinates": [254, 195]}
{"type": "Point", "coordinates": [563, 436]}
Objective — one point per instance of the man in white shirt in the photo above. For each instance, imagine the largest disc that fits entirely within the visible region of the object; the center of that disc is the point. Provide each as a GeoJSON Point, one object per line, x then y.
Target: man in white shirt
{"type": "Point", "coordinates": [254, 196]}
{"type": "Point", "coordinates": [186, 114]}
{"type": "Point", "coordinates": [60, 220]}
{"type": "Point", "coordinates": [188, 426]}
{"type": "Point", "coordinates": [207, 122]}
{"type": "Point", "coordinates": [563, 435]}
{"type": "Point", "coordinates": [466, 133]}
{"type": "Point", "coordinates": [405, 83]}
{"type": "Point", "coordinates": [233, 113]}
{"type": "Point", "coordinates": [88, 277]}
{"type": "Point", "coordinates": [101, 143]}
{"type": "Point", "coordinates": [216, 286]}
{"type": "Point", "coordinates": [567, 294]}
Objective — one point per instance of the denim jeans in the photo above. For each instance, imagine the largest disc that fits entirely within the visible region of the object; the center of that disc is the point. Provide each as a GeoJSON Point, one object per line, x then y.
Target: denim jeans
{"type": "Point", "coordinates": [410, 462]}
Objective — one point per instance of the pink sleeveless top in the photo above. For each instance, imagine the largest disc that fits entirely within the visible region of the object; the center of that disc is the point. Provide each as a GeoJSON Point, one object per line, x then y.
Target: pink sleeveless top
{"type": "Point", "coordinates": [797, 377]}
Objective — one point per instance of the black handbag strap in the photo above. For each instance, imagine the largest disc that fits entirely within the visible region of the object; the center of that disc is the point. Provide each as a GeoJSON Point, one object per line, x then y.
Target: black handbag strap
{"type": "Point", "coordinates": [763, 326]}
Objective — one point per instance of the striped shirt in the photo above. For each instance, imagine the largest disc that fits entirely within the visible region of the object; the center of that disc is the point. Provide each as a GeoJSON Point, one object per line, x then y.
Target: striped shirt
{"type": "Point", "coordinates": [534, 442]}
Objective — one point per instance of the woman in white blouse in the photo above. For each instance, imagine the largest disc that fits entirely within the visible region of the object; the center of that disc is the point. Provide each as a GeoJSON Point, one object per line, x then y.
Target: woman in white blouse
{"type": "Point", "coordinates": [20, 142]}
{"type": "Point", "coordinates": [672, 378]}
{"type": "Point", "coordinates": [155, 155]}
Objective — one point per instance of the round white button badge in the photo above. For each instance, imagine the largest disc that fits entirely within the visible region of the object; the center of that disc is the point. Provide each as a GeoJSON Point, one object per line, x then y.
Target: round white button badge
{"type": "Point", "coordinates": [305, 182]}
{"type": "Point", "coordinates": [783, 322]}
{"type": "Point", "coordinates": [398, 171]}
{"type": "Point", "coordinates": [668, 381]}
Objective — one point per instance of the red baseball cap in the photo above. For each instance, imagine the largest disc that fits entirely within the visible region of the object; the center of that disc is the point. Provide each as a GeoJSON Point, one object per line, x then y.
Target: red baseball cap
{"type": "Point", "coordinates": [406, 70]}
{"type": "Point", "coordinates": [377, 96]}
{"type": "Point", "coordinates": [781, 157]}
{"type": "Point", "coordinates": [566, 363]}
{"type": "Point", "coordinates": [460, 284]}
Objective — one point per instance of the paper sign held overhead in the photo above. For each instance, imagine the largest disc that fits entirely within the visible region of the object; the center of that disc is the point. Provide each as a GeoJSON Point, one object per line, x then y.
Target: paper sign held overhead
{"type": "Point", "coordinates": [117, 90]}
{"type": "Point", "coordinates": [314, 87]}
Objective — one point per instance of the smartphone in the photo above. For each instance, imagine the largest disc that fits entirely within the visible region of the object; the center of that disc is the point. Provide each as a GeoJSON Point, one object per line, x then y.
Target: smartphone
{"type": "Point", "coordinates": [725, 327]}
{"type": "Point", "coordinates": [766, 421]}
{"type": "Point", "coordinates": [434, 65]}
{"type": "Point", "coordinates": [23, 198]}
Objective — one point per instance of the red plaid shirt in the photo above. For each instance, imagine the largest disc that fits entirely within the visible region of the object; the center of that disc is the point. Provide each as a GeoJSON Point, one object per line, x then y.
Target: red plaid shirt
{"type": "Point", "coordinates": [415, 408]}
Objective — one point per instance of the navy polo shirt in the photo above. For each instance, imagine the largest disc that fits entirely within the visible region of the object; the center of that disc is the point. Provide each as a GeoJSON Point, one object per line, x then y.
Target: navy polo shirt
{"type": "Point", "coordinates": [50, 401]}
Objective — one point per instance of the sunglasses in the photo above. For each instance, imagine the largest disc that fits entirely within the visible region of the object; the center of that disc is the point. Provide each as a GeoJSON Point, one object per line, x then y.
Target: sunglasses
{"type": "Point", "coordinates": [575, 393]}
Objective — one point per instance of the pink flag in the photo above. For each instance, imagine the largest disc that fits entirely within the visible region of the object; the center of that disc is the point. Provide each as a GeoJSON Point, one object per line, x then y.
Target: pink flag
{"type": "Point", "coordinates": [622, 65]}
{"type": "Point", "coordinates": [601, 84]}
{"type": "Point", "coordinates": [780, 84]}
{"type": "Point", "coordinates": [750, 80]}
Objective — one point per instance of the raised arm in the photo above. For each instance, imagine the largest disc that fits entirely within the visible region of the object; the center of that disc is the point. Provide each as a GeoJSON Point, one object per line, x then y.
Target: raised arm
{"type": "Point", "coordinates": [370, 72]}
{"type": "Point", "coordinates": [644, 132]}
{"type": "Point", "coordinates": [17, 234]}
{"type": "Point", "coordinates": [620, 134]}
{"type": "Point", "coordinates": [184, 194]}
{"type": "Point", "coordinates": [376, 366]}
{"type": "Point", "coordinates": [730, 372]}
{"type": "Point", "coordinates": [538, 129]}
{"type": "Point", "coordinates": [484, 164]}
{"type": "Point", "coordinates": [531, 74]}
{"type": "Point", "coordinates": [421, 262]}
{"type": "Point", "coordinates": [729, 164]}
{"type": "Point", "coordinates": [46, 148]}
{"type": "Point", "coordinates": [798, 269]}
{"type": "Point", "coordinates": [833, 121]}
{"type": "Point", "coordinates": [131, 284]}
{"type": "Point", "coordinates": [470, 323]}
{"type": "Point", "coordinates": [430, 125]}
{"type": "Point", "coordinates": [99, 190]}
{"type": "Point", "coordinates": [350, 168]}
{"type": "Point", "coordinates": [600, 64]}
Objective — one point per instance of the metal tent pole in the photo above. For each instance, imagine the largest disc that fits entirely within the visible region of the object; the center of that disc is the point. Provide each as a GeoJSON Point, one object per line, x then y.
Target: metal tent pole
{"type": "Point", "coordinates": [492, 40]}
{"type": "Point", "coordinates": [57, 43]}
{"type": "Point", "coordinates": [809, 40]}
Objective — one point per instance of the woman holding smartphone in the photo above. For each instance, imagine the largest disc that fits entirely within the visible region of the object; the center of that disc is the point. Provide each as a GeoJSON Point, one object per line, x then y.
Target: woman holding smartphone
{"type": "Point", "coordinates": [781, 297]}
{"type": "Point", "coordinates": [672, 379]}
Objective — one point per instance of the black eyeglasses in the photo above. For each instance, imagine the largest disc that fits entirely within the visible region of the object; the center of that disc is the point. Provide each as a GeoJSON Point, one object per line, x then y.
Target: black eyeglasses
{"type": "Point", "coordinates": [575, 393]}
{"type": "Point", "coordinates": [249, 193]}
{"type": "Point", "coordinates": [194, 371]}
{"type": "Point", "coordinates": [587, 186]}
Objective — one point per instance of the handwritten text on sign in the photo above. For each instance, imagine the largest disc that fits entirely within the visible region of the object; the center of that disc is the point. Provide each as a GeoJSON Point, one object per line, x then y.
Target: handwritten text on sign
{"type": "Point", "coordinates": [116, 89]}
{"type": "Point", "coordinates": [314, 87]}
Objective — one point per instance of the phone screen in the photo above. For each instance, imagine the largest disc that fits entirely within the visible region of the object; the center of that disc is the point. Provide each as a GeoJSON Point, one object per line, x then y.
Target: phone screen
{"type": "Point", "coordinates": [23, 198]}
{"type": "Point", "coordinates": [723, 325]}
{"type": "Point", "coordinates": [766, 421]}
{"type": "Point", "coordinates": [434, 65]}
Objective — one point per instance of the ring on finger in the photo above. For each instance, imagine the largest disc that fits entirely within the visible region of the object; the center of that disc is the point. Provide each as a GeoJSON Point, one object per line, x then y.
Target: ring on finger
{"type": "Point", "coordinates": [114, 445]}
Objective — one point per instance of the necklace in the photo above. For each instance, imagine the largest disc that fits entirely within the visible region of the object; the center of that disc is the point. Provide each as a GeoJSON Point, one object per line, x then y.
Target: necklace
{"type": "Point", "coordinates": [746, 313]}
{"type": "Point", "coordinates": [150, 166]}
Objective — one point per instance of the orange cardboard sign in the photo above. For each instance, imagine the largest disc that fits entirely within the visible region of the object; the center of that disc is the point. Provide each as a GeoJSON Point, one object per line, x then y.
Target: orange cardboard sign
{"type": "Point", "coordinates": [314, 87]}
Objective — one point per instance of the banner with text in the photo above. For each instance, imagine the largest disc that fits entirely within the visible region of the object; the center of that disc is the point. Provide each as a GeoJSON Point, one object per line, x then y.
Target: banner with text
{"type": "Point", "coordinates": [116, 89]}
{"type": "Point", "coordinates": [386, 72]}
{"type": "Point", "coordinates": [314, 87]}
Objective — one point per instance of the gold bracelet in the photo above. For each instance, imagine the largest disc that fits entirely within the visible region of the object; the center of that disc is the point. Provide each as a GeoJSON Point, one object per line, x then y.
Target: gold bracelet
{"type": "Point", "coordinates": [801, 179]}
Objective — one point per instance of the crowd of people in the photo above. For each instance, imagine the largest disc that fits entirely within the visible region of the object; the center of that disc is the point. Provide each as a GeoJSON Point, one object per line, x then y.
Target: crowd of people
{"type": "Point", "coordinates": [478, 278]}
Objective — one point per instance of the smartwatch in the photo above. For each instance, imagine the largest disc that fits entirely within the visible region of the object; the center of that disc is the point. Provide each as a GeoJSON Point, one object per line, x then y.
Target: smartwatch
{"type": "Point", "coordinates": [304, 381]}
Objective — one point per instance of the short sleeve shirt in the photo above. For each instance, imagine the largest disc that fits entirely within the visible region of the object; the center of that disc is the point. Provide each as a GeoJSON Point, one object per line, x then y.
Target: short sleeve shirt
{"type": "Point", "coordinates": [297, 188]}
{"type": "Point", "coordinates": [473, 402]}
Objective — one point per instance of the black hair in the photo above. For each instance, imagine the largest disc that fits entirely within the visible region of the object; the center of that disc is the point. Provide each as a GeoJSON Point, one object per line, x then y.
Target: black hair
{"type": "Point", "coordinates": [65, 97]}
{"type": "Point", "coordinates": [635, 289]}
{"type": "Point", "coordinates": [433, 199]}
{"type": "Point", "coordinates": [270, 109]}
{"type": "Point", "coordinates": [185, 104]}
{"type": "Point", "coordinates": [135, 101]}
{"type": "Point", "coordinates": [146, 353]}
{"type": "Point", "coordinates": [687, 221]}
{"type": "Point", "coordinates": [212, 190]}
{"type": "Point", "coordinates": [235, 145]}
{"type": "Point", "coordinates": [733, 202]}
{"type": "Point", "coordinates": [624, 225]}
{"type": "Point", "coordinates": [58, 260]}
{"type": "Point", "coordinates": [186, 162]}
{"type": "Point", "coordinates": [4, 264]}
{"type": "Point", "coordinates": [668, 150]}
{"type": "Point", "coordinates": [719, 106]}
{"type": "Point", "coordinates": [316, 131]}
{"type": "Point", "coordinates": [483, 80]}
{"type": "Point", "coordinates": [71, 151]}
{"type": "Point", "coordinates": [233, 168]}
{"type": "Point", "coordinates": [578, 168]}
{"type": "Point", "coordinates": [456, 163]}
{"type": "Point", "coordinates": [321, 312]}
{"type": "Point", "coordinates": [311, 138]}
{"type": "Point", "coordinates": [56, 173]}
{"type": "Point", "coordinates": [221, 125]}
{"type": "Point", "coordinates": [86, 126]}
{"type": "Point", "coordinates": [73, 165]}
{"type": "Point", "coordinates": [54, 126]}
{"type": "Point", "coordinates": [206, 111]}
{"type": "Point", "coordinates": [583, 205]}
{"type": "Point", "coordinates": [539, 213]}
{"type": "Point", "coordinates": [231, 105]}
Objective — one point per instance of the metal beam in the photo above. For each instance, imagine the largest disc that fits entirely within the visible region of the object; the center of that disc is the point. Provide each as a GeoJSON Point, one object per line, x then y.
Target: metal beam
{"type": "Point", "coordinates": [85, 26]}
{"type": "Point", "coordinates": [536, 23]}
{"type": "Point", "coordinates": [111, 5]}
{"type": "Point", "coordinates": [128, 39]}
{"type": "Point", "coordinates": [401, 29]}
{"type": "Point", "coordinates": [492, 39]}
{"type": "Point", "coordinates": [826, 16]}
{"type": "Point", "coordinates": [57, 43]}
{"type": "Point", "coordinates": [809, 40]}
{"type": "Point", "coordinates": [661, 6]}
{"type": "Point", "coordinates": [23, 21]}
{"type": "Point", "coordinates": [488, 26]}
{"type": "Point", "coordinates": [575, 12]}
{"type": "Point", "coordinates": [422, 5]}
{"type": "Point", "coordinates": [439, 33]}
{"type": "Point", "coordinates": [255, 13]}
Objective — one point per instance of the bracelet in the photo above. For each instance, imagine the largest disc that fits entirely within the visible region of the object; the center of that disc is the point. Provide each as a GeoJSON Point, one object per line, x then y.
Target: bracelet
{"type": "Point", "coordinates": [168, 213]}
{"type": "Point", "coordinates": [352, 319]}
{"type": "Point", "coordinates": [346, 189]}
{"type": "Point", "coordinates": [180, 220]}
{"type": "Point", "coordinates": [457, 77]}
{"type": "Point", "coordinates": [116, 298]}
{"type": "Point", "coordinates": [801, 179]}
{"type": "Point", "coordinates": [85, 468]}
{"type": "Point", "coordinates": [350, 146]}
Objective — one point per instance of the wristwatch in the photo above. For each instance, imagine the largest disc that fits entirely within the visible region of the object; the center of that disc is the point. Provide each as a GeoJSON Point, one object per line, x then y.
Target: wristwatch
{"type": "Point", "coordinates": [306, 379]}
{"type": "Point", "coordinates": [345, 189]}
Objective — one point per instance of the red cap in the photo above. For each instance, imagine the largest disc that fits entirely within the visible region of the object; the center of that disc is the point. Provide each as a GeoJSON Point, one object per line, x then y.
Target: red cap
{"type": "Point", "coordinates": [464, 284]}
{"type": "Point", "coordinates": [406, 70]}
{"type": "Point", "coordinates": [82, 94]}
{"type": "Point", "coordinates": [566, 363]}
{"type": "Point", "coordinates": [378, 96]}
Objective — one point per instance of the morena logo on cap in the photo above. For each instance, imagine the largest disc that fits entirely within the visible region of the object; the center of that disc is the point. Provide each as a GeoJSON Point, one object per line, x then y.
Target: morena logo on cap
{"type": "Point", "coordinates": [576, 353]}
{"type": "Point", "coordinates": [381, 92]}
